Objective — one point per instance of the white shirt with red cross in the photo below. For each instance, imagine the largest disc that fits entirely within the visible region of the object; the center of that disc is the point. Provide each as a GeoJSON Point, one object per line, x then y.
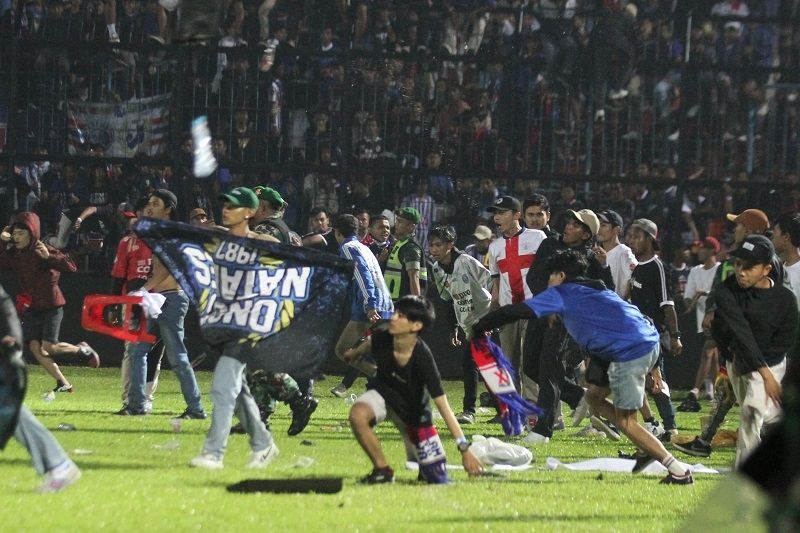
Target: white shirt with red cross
{"type": "Point", "coordinates": [510, 258]}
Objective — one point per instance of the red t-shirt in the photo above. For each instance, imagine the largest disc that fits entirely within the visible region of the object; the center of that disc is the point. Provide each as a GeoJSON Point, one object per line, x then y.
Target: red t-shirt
{"type": "Point", "coordinates": [133, 259]}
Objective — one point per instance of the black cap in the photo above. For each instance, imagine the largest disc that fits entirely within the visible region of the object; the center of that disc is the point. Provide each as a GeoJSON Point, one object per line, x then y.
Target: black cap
{"type": "Point", "coordinates": [505, 203]}
{"type": "Point", "coordinates": [611, 217]}
{"type": "Point", "coordinates": [755, 249]}
{"type": "Point", "coordinates": [167, 196]}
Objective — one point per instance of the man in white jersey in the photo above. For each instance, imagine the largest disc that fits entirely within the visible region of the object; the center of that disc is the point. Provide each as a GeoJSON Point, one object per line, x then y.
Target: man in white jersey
{"type": "Point", "coordinates": [786, 238]}
{"type": "Point", "coordinates": [464, 282]}
{"type": "Point", "coordinates": [698, 285]}
{"type": "Point", "coordinates": [509, 261]}
{"type": "Point", "coordinates": [619, 257]}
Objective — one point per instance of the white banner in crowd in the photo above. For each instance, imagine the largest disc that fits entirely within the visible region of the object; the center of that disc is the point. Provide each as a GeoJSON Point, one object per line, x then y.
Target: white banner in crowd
{"type": "Point", "coordinates": [124, 129]}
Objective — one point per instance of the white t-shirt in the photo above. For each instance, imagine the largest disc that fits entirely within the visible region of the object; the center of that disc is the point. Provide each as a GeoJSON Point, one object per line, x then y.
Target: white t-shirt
{"type": "Point", "coordinates": [793, 277]}
{"type": "Point", "coordinates": [510, 258]}
{"type": "Point", "coordinates": [700, 279]}
{"type": "Point", "coordinates": [621, 261]}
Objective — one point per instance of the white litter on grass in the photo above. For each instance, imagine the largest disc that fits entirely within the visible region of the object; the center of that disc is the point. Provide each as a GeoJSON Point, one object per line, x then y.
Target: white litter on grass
{"type": "Point", "coordinates": [81, 451]}
{"type": "Point", "coordinates": [414, 467]}
{"type": "Point", "coordinates": [49, 396]}
{"type": "Point", "coordinates": [303, 462]}
{"type": "Point", "coordinates": [171, 445]}
{"type": "Point", "coordinates": [614, 464]}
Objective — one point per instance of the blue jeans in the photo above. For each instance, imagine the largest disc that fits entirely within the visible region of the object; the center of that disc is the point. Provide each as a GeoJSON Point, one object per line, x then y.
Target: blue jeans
{"type": "Point", "coordinates": [169, 327]}
{"type": "Point", "coordinates": [231, 395]}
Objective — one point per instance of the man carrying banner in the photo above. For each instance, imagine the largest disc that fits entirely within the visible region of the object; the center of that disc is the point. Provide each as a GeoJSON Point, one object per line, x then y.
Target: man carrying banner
{"type": "Point", "coordinates": [229, 390]}
{"type": "Point", "coordinates": [622, 343]}
{"type": "Point", "coordinates": [268, 388]}
{"type": "Point", "coordinates": [401, 390]}
{"type": "Point", "coordinates": [161, 205]}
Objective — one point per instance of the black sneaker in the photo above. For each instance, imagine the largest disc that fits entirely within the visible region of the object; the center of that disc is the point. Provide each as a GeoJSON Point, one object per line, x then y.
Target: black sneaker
{"type": "Point", "coordinates": [301, 414]}
{"type": "Point", "coordinates": [238, 429]}
{"type": "Point", "coordinates": [127, 411]}
{"type": "Point", "coordinates": [671, 479]}
{"type": "Point", "coordinates": [64, 388]}
{"type": "Point", "coordinates": [689, 405]}
{"type": "Point", "coordinates": [485, 399]}
{"type": "Point", "coordinates": [643, 460]}
{"type": "Point", "coordinates": [496, 419]}
{"type": "Point", "coordinates": [379, 475]}
{"type": "Point", "coordinates": [192, 415]}
{"type": "Point", "coordinates": [666, 437]}
{"type": "Point", "coordinates": [696, 447]}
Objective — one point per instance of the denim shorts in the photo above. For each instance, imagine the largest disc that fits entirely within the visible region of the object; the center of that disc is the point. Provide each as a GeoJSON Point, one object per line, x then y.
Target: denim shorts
{"type": "Point", "coordinates": [627, 380]}
{"type": "Point", "coordinates": [42, 325]}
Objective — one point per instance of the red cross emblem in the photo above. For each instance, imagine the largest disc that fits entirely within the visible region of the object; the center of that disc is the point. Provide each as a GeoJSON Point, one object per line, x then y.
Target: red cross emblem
{"type": "Point", "coordinates": [512, 264]}
{"type": "Point", "coordinates": [502, 377]}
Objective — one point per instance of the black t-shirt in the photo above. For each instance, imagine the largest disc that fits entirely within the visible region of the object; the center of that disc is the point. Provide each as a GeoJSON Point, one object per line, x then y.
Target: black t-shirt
{"type": "Point", "coordinates": [408, 389]}
{"type": "Point", "coordinates": [650, 291]}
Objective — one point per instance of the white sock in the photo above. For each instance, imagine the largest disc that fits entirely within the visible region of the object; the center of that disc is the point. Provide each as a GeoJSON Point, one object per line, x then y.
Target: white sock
{"type": "Point", "coordinates": [112, 31]}
{"type": "Point", "coordinates": [675, 467]}
{"type": "Point", "coordinates": [61, 469]}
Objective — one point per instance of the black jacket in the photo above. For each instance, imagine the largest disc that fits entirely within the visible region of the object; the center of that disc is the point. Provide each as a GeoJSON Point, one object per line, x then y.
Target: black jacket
{"type": "Point", "coordinates": [753, 327]}
{"type": "Point", "coordinates": [537, 276]}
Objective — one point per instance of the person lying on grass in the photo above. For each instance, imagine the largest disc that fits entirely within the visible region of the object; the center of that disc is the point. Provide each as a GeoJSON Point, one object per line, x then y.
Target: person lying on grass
{"type": "Point", "coordinates": [622, 343]}
{"type": "Point", "coordinates": [406, 377]}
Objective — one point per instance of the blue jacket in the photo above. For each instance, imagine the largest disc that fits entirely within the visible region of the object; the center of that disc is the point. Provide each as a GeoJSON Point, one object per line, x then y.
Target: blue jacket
{"type": "Point", "coordinates": [369, 290]}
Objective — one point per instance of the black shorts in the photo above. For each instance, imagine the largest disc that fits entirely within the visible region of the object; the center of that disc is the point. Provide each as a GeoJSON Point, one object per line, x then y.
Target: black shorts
{"type": "Point", "coordinates": [597, 372]}
{"type": "Point", "coordinates": [42, 325]}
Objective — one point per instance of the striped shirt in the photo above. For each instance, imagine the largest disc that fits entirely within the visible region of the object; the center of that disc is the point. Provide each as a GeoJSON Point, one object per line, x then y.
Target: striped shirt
{"type": "Point", "coordinates": [370, 290]}
{"type": "Point", "coordinates": [650, 291]}
{"type": "Point", "coordinates": [427, 211]}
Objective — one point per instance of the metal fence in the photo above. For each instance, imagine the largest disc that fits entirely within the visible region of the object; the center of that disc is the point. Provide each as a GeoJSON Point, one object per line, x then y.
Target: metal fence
{"type": "Point", "coordinates": [701, 100]}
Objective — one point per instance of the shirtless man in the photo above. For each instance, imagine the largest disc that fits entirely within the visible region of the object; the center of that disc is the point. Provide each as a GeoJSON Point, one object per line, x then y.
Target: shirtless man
{"type": "Point", "coordinates": [161, 205]}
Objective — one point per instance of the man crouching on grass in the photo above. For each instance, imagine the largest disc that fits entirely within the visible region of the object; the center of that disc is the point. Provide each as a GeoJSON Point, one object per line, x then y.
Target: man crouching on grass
{"type": "Point", "coordinates": [622, 343]}
{"type": "Point", "coordinates": [405, 380]}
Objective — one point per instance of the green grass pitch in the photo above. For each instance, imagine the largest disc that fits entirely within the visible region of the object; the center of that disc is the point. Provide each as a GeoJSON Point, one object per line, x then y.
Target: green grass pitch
{"type": "Point", "coordinates": [136, 478]}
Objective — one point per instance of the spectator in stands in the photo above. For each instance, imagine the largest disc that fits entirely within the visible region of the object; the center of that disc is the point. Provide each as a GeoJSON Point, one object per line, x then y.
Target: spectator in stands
{"type": "Point", "coordinates": [370, 146]}
{"type": "Point", "coordinates": [479, 249]}
{"type": "Point", "coordinates": [422, 202]}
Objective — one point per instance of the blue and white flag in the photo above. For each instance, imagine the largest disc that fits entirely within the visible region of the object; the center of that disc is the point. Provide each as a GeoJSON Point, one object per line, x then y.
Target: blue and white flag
{"type": "Point", "coordinates": [272, 306]}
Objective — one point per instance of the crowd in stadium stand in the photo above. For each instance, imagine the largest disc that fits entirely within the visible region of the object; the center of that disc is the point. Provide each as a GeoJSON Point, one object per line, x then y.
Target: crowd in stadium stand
{"type": "Point", "coordinates": [478, 85]}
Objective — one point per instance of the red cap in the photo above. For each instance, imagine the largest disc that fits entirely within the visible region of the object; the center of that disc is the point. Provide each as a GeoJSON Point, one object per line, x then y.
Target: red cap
{"type": "Point", "coordinates": [710, 242]}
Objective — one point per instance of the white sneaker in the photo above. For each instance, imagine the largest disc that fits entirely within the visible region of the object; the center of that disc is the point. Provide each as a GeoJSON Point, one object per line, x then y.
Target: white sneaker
{"type": "Point", "coordinates": [655, 428]}
{"type": "Point", "coordinates": [535, 438]}
{"type": "Point", "coordinates": [207, 461]}
{"type": "Point", "coordinates": [600, 425]}
{"type": "Point", "coordinates": [581, 412]}
{"type": "Point", "coordinates": [204, 162]}
{"type": "Point", "coordinates": [600, 115]}
{"type": "Point", "coordinates": [60, 477]}
{"type": "Point", "coordinates": [340, 391]}
{"type": "Point", "coordinates": [590, 432]}
{"type": "Point", "coordinates": [262, 458]}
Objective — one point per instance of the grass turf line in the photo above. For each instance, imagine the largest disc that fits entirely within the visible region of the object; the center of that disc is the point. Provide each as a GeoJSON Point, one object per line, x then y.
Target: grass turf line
{"type": "Point", "coordinates": [136, 477]}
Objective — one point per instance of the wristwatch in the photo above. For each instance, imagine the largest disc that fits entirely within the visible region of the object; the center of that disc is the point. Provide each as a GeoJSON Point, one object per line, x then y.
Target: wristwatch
{"type": "Point", "coordinates": [676, 335]}
{"type": "Point", "coordinates": [463, 444]}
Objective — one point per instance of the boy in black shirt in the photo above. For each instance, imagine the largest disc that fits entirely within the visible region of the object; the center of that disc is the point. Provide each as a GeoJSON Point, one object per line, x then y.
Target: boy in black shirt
{"type": "Point", "coordinates": [401, 390]}
{"type": "Point", "coordinates": [754, 326]}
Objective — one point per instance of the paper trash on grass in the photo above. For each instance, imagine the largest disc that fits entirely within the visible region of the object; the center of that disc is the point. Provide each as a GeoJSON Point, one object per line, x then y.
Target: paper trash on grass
{"type": "Point", "coordinates": [414, 467]}
{"type": "Point", "coordinates": [614, 464]}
